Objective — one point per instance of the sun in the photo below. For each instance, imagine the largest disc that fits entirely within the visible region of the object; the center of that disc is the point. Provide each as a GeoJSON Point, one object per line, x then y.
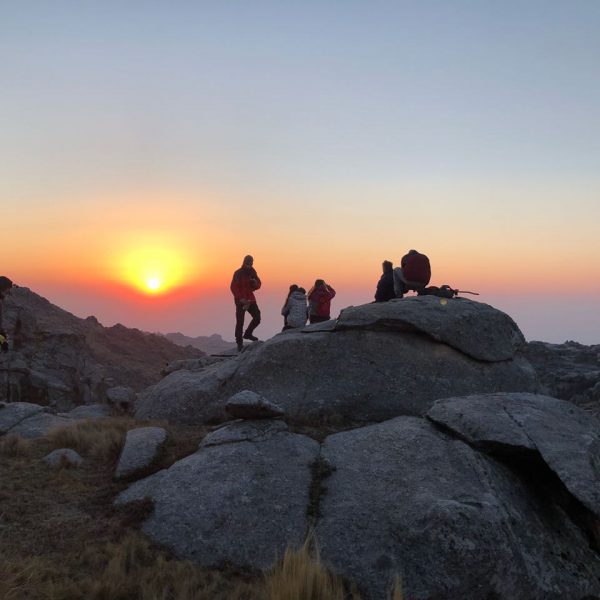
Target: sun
{"type": "Point", "coordinates": [153, 269]}
{"type": "Point", "coordinates": [153, 284]}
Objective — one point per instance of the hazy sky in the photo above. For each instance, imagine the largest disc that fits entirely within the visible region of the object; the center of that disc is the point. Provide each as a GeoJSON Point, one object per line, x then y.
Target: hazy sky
{"type": "Point", "coordinates": [321, 137]}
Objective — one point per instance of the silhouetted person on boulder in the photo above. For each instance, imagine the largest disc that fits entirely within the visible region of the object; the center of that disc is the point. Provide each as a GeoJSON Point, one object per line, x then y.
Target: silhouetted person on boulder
{"type": "Point", "coordinates": [385, 286]}
{"type": "Point", "coordinates": [413, 273]}
{"type": "Point", "coordinates": [295, 310]}
{"type": "Point", "coordinates": [243, 285]}
{"type": "Point", "coordinates": [319, 301]}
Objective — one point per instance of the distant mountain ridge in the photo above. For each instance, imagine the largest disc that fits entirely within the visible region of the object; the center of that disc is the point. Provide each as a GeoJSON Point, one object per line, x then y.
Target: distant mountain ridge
{"type": "Point", "coordinates": [211, 344]}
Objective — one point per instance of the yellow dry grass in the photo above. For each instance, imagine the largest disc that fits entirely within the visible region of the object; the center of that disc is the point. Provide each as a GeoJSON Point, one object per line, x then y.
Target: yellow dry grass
{"type": "Point", "coordinates": [100, 439]}
{"type": "Point", "coordinates": [13, 445]}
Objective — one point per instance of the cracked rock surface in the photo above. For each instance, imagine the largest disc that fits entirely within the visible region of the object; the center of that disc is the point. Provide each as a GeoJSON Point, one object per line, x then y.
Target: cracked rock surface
{"type": "Point", "coordinates": [565, 437]}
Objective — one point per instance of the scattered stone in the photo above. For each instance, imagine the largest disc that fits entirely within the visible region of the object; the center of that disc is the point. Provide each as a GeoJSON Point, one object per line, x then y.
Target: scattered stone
{"type": "Point", "coordinates": [140, 450]}
{"type": "Point", "coordinates": [249, 405]}
{"type": "Point", "coordinates": [63, 457]}
{"type": "Point", "coordinates": [122, 398]}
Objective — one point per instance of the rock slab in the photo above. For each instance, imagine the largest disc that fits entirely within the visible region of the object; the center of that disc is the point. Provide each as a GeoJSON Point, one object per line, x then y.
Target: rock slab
{"type": "Point", "coordinates": [404, 499]}
{"type": "Point", "coordinates": [565, 436]}
{"type": "Point", "coordinates": [140, 450]}
{"type": "Point", "coordinates": [238, 503]}
{"type": "Point", "coordinates": [249, 405]}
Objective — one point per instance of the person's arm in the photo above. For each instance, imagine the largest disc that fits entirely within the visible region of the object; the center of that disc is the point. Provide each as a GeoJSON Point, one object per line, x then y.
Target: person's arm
{"type": "Point", "coordinates": [256, 283]}
{"type": "Point", "coordinates": [331, 292]}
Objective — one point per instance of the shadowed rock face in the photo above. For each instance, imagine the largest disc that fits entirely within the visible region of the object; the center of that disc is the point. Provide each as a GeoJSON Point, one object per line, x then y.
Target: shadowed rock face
{"type": "Point", "coordinates": [59, 360]}
{"type": "Point", "coordinates": [398, 498]}
{"type": "Point", "coordinates": [370, 366]}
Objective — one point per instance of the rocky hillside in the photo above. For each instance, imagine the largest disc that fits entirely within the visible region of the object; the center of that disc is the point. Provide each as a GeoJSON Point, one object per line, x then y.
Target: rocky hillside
{"type": "Point", "coordinates": [60, 360]}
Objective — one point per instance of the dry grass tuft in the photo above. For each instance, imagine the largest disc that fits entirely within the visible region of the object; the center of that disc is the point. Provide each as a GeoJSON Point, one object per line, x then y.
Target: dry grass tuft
{"type": "Point", "coordinates": [13, 445]}
{"type": "Point", "coordinates": [300, 576]}
{"type": "Point", "coordinates": [101, 439]}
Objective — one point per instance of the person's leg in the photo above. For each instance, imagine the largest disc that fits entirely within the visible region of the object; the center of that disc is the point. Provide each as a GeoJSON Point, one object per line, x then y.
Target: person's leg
{"type": "Point", "coordinates": [255, 313]}
{"type": "Point", "coordinates": [239, 323]}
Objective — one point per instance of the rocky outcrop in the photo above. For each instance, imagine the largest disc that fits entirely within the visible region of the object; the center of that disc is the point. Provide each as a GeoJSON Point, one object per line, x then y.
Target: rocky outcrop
{"type": "Point", "coordinates": [12, 414]}
{"type": "Point", "coordinates": [406, 497]}
{"type": "Point", "coordinates": [378, 361]}
{"type": "Point", "coordinates": [451, 321]}
{"type": "Point", "coordinates": [239, 502]}
{"type": "Point", "coordinates": [569, 371]}
{"type": "Point", "coordinates": [140, 450]}
{"type": "Point", "coordinates": [59, 360]}
{"type": "Point", "coordinates": [564, 437]}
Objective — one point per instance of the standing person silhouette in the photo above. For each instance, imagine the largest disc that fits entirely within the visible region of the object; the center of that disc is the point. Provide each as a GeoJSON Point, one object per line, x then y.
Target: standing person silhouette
{"type": "Point", "coordinates": [243, 285]}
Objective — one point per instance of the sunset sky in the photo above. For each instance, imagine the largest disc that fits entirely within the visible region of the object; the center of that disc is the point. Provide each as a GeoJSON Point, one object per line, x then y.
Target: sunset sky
{"type": "Point", "coordinates": [154, 144]}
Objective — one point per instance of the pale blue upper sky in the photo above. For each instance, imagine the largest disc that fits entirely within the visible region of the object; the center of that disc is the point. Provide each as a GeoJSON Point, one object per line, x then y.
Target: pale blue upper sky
{"type": "Point", "coordinates": [298, 91]}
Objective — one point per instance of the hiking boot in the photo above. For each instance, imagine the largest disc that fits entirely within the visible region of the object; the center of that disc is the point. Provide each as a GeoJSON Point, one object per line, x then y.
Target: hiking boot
{"type": "Point", "coordinates": [240, 346]}
{"type": "Point", "coordinates": [249, 336]}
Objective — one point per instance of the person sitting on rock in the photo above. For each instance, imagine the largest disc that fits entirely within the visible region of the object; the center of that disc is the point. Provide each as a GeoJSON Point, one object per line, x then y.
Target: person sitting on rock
{"type": "Point", "coordinates": [413, 273]}
{"type": "Point", "coordinates": [244, 283]}
{"type": "Point", "coordinates": [385, 286]}
{"type": "Point", "coordinates": [295, 310]}
{"type": "Point", "coordinates": [319, 301]}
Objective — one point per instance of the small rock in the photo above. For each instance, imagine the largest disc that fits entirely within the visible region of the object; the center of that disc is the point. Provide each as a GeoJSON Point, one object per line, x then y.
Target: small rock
{"type": "Point", "coordinates": [249, 405]}
{"type": "Point", "coordinates": [88, 411]}
{"type": "Point", "coordinates": [121, 397]}
{"type": "Point", "coordinates": [63, 457]}
{"type": "Point", "coordinates": [140, 449]}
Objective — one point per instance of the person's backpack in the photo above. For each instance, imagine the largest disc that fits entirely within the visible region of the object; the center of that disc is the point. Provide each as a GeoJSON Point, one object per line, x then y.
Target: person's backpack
{"type": "Point", "coordinates": [444, 291]}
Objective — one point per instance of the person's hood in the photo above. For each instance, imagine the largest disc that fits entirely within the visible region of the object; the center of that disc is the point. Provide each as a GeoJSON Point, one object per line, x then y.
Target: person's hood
{"type": "Point", "coordinates": [298, 295]}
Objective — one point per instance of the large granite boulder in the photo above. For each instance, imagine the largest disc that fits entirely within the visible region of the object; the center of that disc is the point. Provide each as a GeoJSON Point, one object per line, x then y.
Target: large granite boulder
{"type": "Point", "coordinates": [248, 405]}
{"type": "Point", "coordinates": [405, 499]}
{"type": "Point", "coordinates": [476, 329]}
{"type": "Point", "coordinates": [562, 434]}
{"type": "Point", "coordinates": [374, 364]}
{"type": "Point", "coordinates": [240, 499]}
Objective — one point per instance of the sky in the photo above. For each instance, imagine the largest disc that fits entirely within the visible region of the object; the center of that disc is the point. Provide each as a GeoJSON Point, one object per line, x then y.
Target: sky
{"type": "Point", "coordinates": [154, 144]}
